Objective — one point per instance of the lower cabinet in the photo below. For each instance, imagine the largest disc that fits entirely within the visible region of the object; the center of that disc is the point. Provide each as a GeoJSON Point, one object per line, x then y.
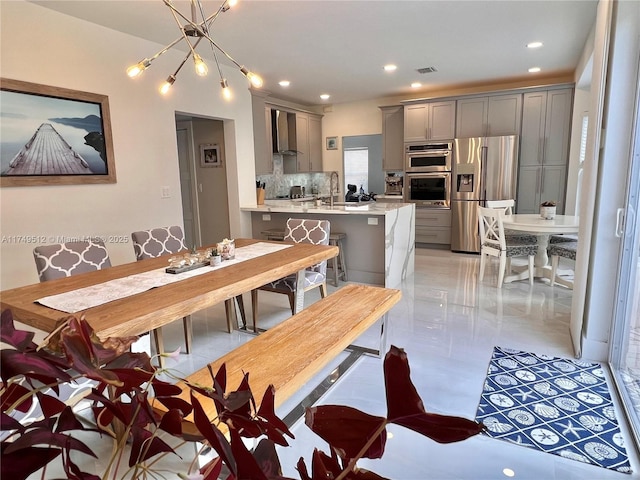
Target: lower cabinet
{"type": "Point", "coordinates": [433, 226]}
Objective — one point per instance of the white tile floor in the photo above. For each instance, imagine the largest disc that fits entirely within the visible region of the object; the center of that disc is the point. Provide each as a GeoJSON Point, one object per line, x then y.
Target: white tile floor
{"type": "Point", "coordinates": [448, 324]}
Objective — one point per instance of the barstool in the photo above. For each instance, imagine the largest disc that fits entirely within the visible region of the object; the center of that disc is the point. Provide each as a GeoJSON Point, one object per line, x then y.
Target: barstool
{"type": "Point", "coordinates": [337, 264]}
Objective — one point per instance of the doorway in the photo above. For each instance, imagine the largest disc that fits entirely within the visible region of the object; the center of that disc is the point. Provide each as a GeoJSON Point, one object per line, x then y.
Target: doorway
{"type": "Point", "coordinates": [205, 206]}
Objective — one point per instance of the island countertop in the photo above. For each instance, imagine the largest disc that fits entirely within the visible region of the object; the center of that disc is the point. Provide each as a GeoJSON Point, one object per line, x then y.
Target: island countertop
{"type": "Point", "coordinates": [289, 206]}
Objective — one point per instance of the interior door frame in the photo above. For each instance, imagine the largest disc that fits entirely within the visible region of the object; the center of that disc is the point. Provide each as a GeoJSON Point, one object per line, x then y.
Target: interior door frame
{"type": "Point", "coordinates": [190, 160]}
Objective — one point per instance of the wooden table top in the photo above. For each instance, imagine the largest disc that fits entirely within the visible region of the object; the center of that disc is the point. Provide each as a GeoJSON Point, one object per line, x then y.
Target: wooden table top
{"type": "Point", "coordinates": [154, 308]}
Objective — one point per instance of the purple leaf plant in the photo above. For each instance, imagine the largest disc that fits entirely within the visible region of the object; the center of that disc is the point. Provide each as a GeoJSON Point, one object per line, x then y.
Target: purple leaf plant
{"type": "Point", "coordinates": [126, 385]}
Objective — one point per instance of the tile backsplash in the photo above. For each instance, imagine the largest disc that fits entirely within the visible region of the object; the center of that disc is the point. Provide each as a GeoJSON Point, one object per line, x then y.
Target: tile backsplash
{"type": "Point", "coordinates": [279, 183]}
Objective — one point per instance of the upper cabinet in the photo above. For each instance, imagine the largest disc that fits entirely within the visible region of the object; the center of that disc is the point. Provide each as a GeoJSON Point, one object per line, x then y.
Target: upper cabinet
{"type": "Point", "coordinates": [430, 121]}
{"type": "Point", "coordinates": [489, 116]}
{"type": "Point", "coordinates": [544, 148]}
{"type": "Point", "coordinates": [308, 146]}
{"type": "Point", "coordinates": [392, 137]}
{"type": "Point", "coordinates": [263, 149]}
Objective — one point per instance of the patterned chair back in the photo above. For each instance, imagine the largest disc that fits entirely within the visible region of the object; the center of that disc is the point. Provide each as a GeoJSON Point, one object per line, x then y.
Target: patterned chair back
{"type": "Point", "coordinates": [158, 241]}
{"type": "Point", "coordinates": [309, 231]}
{"type": "Point", "coordinates": [71, 258]}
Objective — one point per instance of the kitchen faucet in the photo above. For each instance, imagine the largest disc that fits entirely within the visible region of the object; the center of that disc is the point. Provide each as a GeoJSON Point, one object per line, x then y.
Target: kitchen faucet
{"type": "Point", "coordinates": [334, 173]}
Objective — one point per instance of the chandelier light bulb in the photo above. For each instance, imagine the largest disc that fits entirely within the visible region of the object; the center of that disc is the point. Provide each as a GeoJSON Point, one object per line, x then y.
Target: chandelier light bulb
{"type": "Point", "coordinates": [254, 78]}
{"type": "Point", "coordinates": [166, 86]}
{"type": "Point", "coordinates": [135, 70]}
{"type": "Point", "coordinates": [226, 91]}
{"type": "Point", "coordinates": [201, 67]}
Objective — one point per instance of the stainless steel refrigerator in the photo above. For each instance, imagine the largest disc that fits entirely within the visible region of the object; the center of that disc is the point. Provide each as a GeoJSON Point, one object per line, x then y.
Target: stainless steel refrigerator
{"type": "Point", "coordinates": [484, 168]}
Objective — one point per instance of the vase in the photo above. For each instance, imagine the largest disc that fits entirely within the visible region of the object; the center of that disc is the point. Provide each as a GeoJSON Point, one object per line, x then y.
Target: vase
{"type": "Point", "coordinates": [548, 213]}
{"type": "Point", "coordinates": [227, 249]}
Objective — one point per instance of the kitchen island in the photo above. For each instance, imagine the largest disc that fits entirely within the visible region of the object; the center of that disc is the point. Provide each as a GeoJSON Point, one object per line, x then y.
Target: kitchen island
{"type": "Point", "coordinates": [380, 244]}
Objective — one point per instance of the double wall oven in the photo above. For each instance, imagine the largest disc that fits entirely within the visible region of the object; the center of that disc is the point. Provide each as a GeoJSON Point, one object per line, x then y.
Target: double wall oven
{"type": "Point", "coordinates": [428, 174]}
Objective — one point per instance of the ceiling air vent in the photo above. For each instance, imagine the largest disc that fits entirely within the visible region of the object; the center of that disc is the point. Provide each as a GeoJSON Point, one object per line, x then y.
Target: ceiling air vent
{"type": "Point", "coordinates": [426, 70]}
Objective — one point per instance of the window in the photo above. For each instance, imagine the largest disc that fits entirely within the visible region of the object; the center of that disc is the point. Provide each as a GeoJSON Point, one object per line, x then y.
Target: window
{"type": "Point", "coordinates": [356, 168]}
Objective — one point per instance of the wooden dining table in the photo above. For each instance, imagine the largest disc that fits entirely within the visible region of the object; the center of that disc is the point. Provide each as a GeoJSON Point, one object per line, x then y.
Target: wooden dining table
{"type": "Point", "coordinates": [542, 228]}
{"type": "Point", "coordinates": [151, 309]}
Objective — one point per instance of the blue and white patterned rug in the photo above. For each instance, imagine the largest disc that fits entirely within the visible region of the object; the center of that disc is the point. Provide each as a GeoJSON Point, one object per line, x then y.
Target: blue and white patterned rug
{"type": "Point", "coordinates": [556, 405]}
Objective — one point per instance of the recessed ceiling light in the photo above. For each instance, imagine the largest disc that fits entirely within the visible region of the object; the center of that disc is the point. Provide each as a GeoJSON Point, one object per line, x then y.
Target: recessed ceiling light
{"type": "Point", "coordinates": [284, 83]}
{"type": "Point", "coordinates": [416, 85]}
{"type": "Point", "coordinates": [534, 69]}
{"type": "Point", "coordinates": [534, 45]}
{"type": "Point", "coordinates": [325, 96]}
{"type": "Point", "coordinates": [390, 68]}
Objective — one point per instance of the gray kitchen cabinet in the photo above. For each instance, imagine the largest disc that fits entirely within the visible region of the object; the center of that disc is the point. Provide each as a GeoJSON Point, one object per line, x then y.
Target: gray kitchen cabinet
{"type": "Point", "coordinates": [392, 138]}
{"type": "Point", "coordinates": [433, 226]}
{"type": "Point", "coordinates": [488, 116]}
{"type": "Point", "coordinates": [263, 148]}
{"type": "Point", "coordinates": [544, 149]}
{"type": "Point", "coordinates": [430, 121]}
{"type": "Point", "coordinates": [308, 143]}
{"type": "Point", "coordinates": [315, 143]}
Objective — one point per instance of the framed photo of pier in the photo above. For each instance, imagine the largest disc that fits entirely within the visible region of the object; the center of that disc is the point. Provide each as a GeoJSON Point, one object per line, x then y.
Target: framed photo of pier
{"type": "Point", "coordinates": [53, 136]}
{"type": "Point", "coordinates": [210, 155]}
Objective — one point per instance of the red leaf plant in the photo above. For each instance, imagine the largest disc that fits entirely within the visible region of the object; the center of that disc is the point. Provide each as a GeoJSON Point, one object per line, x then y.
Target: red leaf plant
{"type": "Point", "coordinates": [126, 384]}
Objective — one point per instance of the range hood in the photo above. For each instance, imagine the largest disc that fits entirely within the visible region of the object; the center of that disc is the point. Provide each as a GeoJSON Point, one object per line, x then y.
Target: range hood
{"type": "Point", "coordinates": [283, 127]}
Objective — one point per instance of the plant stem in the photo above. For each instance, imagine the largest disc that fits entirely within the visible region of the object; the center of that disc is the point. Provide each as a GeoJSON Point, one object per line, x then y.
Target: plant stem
{"type": "Point", "coordinates": [353, 461]}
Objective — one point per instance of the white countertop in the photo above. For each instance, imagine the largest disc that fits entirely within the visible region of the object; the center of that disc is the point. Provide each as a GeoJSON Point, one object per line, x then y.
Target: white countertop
{"type": "Point", "coordinates": [287, 206]}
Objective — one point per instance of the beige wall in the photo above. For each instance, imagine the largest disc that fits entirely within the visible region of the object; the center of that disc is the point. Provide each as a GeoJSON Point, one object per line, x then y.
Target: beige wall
{"type": "Point", "coordinates": [66, 52]}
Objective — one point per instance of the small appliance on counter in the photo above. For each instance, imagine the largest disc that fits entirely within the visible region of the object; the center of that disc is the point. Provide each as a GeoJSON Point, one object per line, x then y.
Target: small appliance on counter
{"type": "Point", "coordinates": [393, 184]}
{"type": "Point", "coordinates": [296, 191]}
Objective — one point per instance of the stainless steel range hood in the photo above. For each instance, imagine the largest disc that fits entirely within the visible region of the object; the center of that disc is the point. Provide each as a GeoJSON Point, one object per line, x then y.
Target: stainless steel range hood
{"type": "Point", "coordinates": [283, 126]}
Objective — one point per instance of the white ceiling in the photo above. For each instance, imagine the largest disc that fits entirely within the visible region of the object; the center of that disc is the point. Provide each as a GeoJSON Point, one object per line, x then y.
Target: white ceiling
{"type": "Point", "coordinates": [339, 47]}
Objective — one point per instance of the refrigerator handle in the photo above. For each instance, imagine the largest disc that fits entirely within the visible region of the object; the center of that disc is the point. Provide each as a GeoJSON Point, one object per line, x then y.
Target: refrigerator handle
{"type": "Point", "coordinates": [483, 171]}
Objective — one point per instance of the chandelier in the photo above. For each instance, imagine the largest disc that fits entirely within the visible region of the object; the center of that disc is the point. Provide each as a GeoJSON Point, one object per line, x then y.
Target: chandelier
{"type": "Point", "coordinates": [196, 29]}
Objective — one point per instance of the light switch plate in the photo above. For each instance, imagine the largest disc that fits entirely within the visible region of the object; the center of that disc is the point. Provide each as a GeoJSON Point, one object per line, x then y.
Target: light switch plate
{"type": "Point", "coordinates": [266, 217]}
{"type": "Point", "coordinates": [166, 192]}
{"type": "Point", "coordinates": [372, 221]}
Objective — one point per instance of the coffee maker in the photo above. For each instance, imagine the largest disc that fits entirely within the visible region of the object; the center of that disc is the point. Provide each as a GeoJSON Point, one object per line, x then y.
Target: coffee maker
{"type": "Point", "coordinates": [393, 184]}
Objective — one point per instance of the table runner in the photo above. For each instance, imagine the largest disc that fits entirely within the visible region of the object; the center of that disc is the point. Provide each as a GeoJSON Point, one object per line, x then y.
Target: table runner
{"type": "Point", "coordinates": [99, 294]}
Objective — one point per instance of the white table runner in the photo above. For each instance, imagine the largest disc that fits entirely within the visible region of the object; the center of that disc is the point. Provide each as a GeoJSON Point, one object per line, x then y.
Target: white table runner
{"type": "Point", "coordinates": [88, 297]}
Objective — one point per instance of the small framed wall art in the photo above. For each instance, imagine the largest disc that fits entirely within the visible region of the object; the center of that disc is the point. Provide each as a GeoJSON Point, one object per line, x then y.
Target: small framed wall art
{"type": "Point", "coordinates": [210, 155]}
{"type": "Point", "coordinates": [332, 143]}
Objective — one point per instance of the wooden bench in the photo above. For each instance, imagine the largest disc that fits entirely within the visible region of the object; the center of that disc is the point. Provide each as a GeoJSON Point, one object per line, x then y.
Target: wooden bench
{"type": "Point", "coordinates": [293, 352]}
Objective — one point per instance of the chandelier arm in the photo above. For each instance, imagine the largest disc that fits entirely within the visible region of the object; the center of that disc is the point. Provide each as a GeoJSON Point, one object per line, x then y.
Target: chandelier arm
{"type": "Point", "coordinates": [165, 49]}
{"type": "Point", "coordinates": [200, 31]}
{"type": "Point", "coordinates": [184, 35]}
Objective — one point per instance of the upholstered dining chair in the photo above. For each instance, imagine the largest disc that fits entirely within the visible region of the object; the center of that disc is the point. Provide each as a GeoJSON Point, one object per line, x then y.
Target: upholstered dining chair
{"type": "Point", "coordinates": [61, 260]}
{"type": "Point", "coordinates": [299, 231]}
{"type": "Point", "coordinates": [493, 243]}
{"type": "Point", "coordinates": [563, 249]}
{"type": "Point", "coordinates": [170, 240]}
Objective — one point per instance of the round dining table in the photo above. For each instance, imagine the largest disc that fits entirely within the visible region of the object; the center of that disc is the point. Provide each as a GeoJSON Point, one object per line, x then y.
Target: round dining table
{"type": "Point", "coordinates": [542, 228]}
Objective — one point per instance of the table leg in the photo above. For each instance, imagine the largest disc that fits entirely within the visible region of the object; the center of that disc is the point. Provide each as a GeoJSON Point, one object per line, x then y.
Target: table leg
{"type": "Point", "coordinates": [541, 266]}
{"type": "Point", "coordinates": [299, 306]}
{"type": "Point", "coordinates": [541, 259]}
